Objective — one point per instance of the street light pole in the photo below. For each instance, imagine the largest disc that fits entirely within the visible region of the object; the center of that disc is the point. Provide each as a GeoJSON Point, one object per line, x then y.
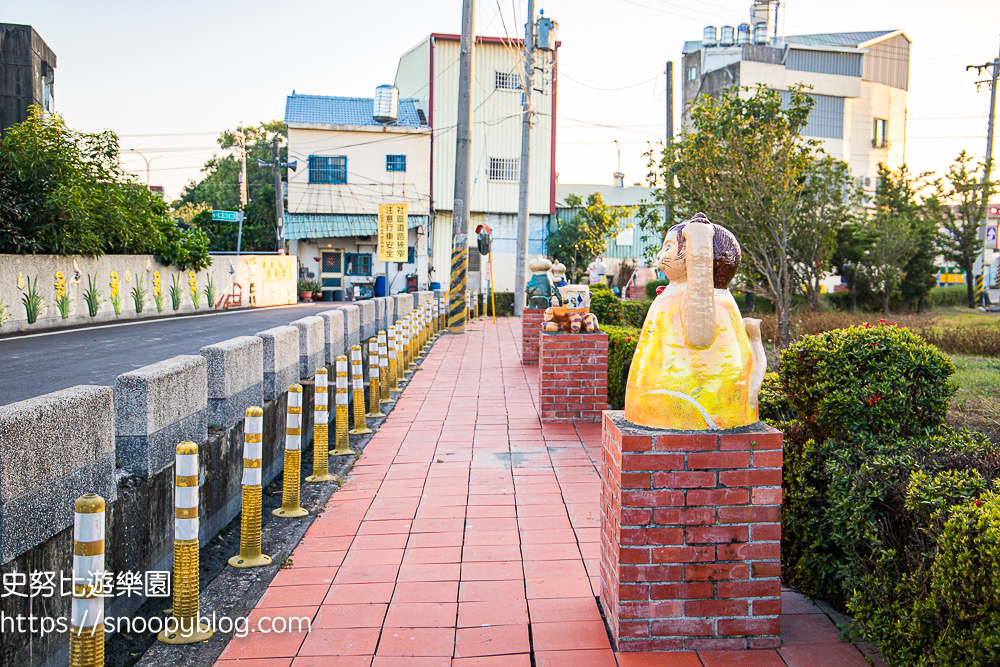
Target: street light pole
{"type": "Point", "coordinates": [147, 162]}
{"type": "Point", "coordinates": [988, 167]}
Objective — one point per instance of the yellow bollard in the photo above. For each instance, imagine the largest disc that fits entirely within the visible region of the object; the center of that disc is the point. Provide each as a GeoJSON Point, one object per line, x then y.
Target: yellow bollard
{"type": "Point", "coordinates": [290, 508]}
{"type": "Point", "coordinates": [374, 379]}
{"type": "Point", "coordinates": [188, 629]}
{"type": "Point", "coordinates": [442, 314]}
{"type": "Point", "coordinates": [434, 320]}
{"type": "Point", "coordinates": [407, 349]}
{"type": "Point", "coordinates": [358, 381]}
{"type": "Point", "coordinates": [385, 375]}
{"type": "Point", "coordinates": [412, 331]}
{"type": "Point", "coordinates": [321, 430]}
{"type": "Point", "coordinates": [393, 384]}
{"type": "Point", "coordinates": [86, 634]}
{"type": "Point", "coordinates": [250, 554]}
{"type": "Point", "coordinates": [475, 304]}
{"type": "Point", "coordinates": [399, 355]}
{"type": "Point", "coordinates": [342, 444]}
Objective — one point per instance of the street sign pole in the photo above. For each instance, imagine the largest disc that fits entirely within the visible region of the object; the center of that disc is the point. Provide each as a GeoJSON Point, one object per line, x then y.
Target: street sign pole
{"type": "Point", "coordinates": [231, 216]}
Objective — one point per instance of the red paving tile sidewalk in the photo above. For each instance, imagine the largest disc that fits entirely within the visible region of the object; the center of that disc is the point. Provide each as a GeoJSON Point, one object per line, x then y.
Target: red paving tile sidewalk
{"type": "Point", "coordinates": [467, 535]}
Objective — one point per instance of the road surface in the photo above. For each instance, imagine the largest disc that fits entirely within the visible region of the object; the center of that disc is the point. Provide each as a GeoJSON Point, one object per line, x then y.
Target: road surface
{"type": "Point", "coordinates": [36, 364]}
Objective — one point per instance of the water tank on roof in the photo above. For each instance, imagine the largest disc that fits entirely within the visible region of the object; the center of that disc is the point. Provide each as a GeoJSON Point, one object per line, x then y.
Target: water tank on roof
{"type": "Point", "coordinates": [728, 37]}
{"type": "Point", "coordinates": [760, 34]}
{"type": "Point", "coordinates": [709, 38]}
{"type": "Point", "coordinates": [743, 33]}
{"type": "Point", "coordinates": [386, 107]}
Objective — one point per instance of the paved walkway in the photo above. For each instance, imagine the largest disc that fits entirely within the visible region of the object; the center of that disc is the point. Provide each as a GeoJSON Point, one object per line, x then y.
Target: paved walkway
{"type": "Point", "coordinates": [467, 534]}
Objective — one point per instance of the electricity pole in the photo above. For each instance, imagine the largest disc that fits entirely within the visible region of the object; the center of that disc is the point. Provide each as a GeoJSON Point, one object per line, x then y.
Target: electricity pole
{"type": "Point", "coordinates": [523, 226]}
{"type": "Point", "coordinates": [457, 312]}
{"type": "Point", "coordinates": [279, 208]}
{"type": "Point", "coordinates": [242, 140]}
{"type": "Point", "coordinates": [670, 100]}
{"type": "Point", "coordinates": [988, 167]}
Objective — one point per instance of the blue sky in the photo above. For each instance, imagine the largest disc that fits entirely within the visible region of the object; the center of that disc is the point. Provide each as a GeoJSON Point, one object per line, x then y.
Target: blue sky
{"type": "Point", "coordinates": [168, 77]}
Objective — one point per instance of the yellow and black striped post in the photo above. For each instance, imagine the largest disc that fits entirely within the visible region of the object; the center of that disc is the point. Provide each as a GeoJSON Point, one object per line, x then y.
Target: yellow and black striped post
{"type": "Point", "coordinates": [290, 492]}
{"type": "Point", "coordinates": [185, 584]}
{"type": "Point", "coordinates": [253, 434]}
{"type": "Point", "coordinates": [358, 384]}
{"type": "Point", "coordinates": [374, 379]}
{"type": "Point", "coordinates": [321, 429]}
{"type": "Point", "coordinates": [342, 444]}
{"type": "Point", "coordinates": [393, 384]}
{"type": "Point", "coordinates": [86, 634]}
{"type": "Point", "coordinates": [458, 312]}
{"type": "Point", "coordinates": [385, 375]}
{"type": "Point", "coordinates": [980, 301]}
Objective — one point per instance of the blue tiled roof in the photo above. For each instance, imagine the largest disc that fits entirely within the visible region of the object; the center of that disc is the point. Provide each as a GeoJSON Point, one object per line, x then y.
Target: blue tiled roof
{"type": "Point", "coordinates": [317, 226]}
{"type": "Point", "coordinates": [326, 110]}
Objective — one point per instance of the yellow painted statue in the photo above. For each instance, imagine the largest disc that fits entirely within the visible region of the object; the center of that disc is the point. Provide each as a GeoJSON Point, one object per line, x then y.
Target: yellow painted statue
{"type": "Point", "coordinates": [698, 365]}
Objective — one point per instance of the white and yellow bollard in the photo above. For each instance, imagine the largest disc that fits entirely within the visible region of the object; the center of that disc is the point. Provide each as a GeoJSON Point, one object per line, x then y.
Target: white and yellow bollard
{"type": "Point", "coordinates": [374, 378]}
{"type": "Point", "coordinates": [291, 491]}
{"type": "Point", "coordinates": [358, 384]}
{"type": "Point", "coordinates": [393, 383]}
{"type": "Point", "coordinates": [86, 634]}
{"type": "Point", "coordinates": [253, 433]}
{"type": "Point", "coordinates": [186, 597]}
{"type": "Point", "coordinates": [342, 444]}
{"type": "Point", "coordinates": [400, 326]}
{"type": "Point", "coordinates": [407, 347]}
{"type": "Point", "coordinates": [475, 304]}
{"type": "Point", "coordinates": [386, 376]}
{"type": "Point", "coordinates": [321, 430]}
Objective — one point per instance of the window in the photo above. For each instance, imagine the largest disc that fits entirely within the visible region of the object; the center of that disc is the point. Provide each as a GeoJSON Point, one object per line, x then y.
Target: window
{"type": "Point", "coordinates": [411, 255]}
{"type": "Point", "coordinates": [395, 163]}
{"type": "Point", "coordinates": [881, 139]}
{"type": "Point", "coordinates": [507, 81]}
{"type": "Point", "coordinates": [505, 169]}
{"type": "Point", "coordinates": [358, 264]}
{"type": "Point", "coordinates": [327, 169]}
{"type": "Point", "coordinates": [692, 74]}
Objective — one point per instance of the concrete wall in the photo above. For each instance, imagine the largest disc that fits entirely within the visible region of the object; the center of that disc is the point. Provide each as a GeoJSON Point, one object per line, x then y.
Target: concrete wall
{"type": "Point", "coordinates": [235, 379]}
{"type": "Point", "coordinates": [271, 286]}
{"type": "Point", "coordinates": [368, 312]}
{"type": "Point", "coordinates": [281, 360]}
{"type": "Point", "coordinates": [156, 407]}
{"type": "Point", "coordinates": [404, 304]}
{"type": "Point", "coordinates": [352, 325]}
{"type": "Point", "coordinates": [333, 334]}
{"type": "Point", "coordinates": [312, 347]}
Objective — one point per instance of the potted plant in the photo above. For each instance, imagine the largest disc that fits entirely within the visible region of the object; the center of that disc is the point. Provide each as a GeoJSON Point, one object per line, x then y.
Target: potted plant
{"type": "Point", "coordinates": [305, 290]}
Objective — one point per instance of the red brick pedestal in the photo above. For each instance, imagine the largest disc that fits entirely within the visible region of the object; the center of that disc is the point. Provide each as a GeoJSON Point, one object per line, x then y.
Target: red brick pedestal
{"type": "Point", "coordinates": [531, 326]}
{"type": "Point", "coordinates": [573, 376]}
{"type": "Point", "coordinates": [690, 537]}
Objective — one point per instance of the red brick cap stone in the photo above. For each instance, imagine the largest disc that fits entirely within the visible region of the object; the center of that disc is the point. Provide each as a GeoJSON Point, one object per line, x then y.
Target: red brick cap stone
{"type": "Point", "coordinates": [690, 537]}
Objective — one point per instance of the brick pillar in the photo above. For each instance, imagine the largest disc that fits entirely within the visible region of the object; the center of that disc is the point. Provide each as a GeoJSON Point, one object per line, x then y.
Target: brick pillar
{"type": "Point", "coordinates": [531, 326]}
{"type": "Point", "coordinates": [573, 376]}
{"type": "Point", "coordinates": [636, 292]}
{"type": "Point", "coordinates": [690, 537]}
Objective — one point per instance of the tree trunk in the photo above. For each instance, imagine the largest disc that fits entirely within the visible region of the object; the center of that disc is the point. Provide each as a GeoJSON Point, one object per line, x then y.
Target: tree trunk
{"type": "Point", "coordinates": [749, 302]}
{"type": "Point", "coordinates": [921, 303]}
{"type": "Point", "coordinates": [885, 300]}
{"type": "Point", "coordinates": [970, 284]}
{"type": "Point", "coordinates": [854, 293]}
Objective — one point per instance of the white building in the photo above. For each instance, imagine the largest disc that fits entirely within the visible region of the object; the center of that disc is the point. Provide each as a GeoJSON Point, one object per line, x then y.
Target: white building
{"type": "Point", "coordinates": [348, 165]}
{"type": "Point", "coordinates": [859, 81]}
{"type": "Point", "coordinates": [429, 74]}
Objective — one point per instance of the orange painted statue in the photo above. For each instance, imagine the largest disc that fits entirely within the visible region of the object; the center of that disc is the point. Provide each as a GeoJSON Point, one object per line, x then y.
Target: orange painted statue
{"type": "Point", "coordinates": [698, 365]}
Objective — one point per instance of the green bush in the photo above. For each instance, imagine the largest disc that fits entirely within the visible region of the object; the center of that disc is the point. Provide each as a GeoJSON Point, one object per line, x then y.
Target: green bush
{"type": "Point", "coordinates": [651, 288]}
{"type": "Point", "coordinates": [610, 310]}
{"type": "Point", "coordinates": [622, 341]}
{"type": "Point", "coordinates": [945, 297]}
{"type": "Point", "coordinates": [504, 302]}
{"type": "Point", "coordinates": [880, 380]}
{"type": "Point", "coordinates": [871, 301]}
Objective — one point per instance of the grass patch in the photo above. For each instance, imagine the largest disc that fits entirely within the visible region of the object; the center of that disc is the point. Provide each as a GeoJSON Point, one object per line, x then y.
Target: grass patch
{"type": "Point", "coordinates": [976, 404]}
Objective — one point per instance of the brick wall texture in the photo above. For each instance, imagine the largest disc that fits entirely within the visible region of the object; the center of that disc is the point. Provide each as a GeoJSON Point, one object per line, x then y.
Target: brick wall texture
{"type": "Point", "coordinates": [690, 537]}
{"type": "Point", "coordinates": [573, 376]}
{"type": "Point", "coordinates": [531, 326]}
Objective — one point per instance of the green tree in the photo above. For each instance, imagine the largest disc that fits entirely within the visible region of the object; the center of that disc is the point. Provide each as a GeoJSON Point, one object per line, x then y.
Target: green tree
{"type": "Point", "coordinates": [848, 255]}
{"type": "Point", "coordinates": [578, 241]}
{"type": "Point", "coordinates": [830, 200]}
{"type": "Point", "coordinates": [891, 242]}
{"type": "Point", "coordinates": [963, 199]}
{"type": "Point", "coordinates": [745, 166]}
{"type": "Point", "coordinates": [220, 189]}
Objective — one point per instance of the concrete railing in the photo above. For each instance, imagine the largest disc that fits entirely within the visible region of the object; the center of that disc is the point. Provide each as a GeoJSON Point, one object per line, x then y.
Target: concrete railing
{"type": "Point", "coordinates": [333, 335]}
{"type": "Point", "coordinates": [281, 360]}
{"type": "Point", "coordinates": [235, 379]}
{"type": "Point", "coordinates": [312, 346]}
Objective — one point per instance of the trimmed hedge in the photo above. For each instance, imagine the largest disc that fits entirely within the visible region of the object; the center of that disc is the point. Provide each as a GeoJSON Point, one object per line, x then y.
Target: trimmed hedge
{"type": "Point", "coordinates": [938, 297]}
{"type": "Point", "coordinates": [887, 512]}
{"type": "Point", "coordinates": [504, 303]}
{"type": "Point", "coordinates": [621, 348]}
{"type": "Point", "coordinates": [612, 311]}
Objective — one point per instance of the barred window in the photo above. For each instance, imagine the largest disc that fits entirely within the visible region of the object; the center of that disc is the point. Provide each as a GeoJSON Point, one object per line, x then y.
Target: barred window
{"type": "Point", "coordinates": [505, 169]}
{"type": "Point", "coordinates": [358, 264]}
{"type": "Point", "coordinates": [395, 163]}
{"type": "Point", "coordinates": [507, 81]}
{"type": "Point", "coordinates": [324, 169]}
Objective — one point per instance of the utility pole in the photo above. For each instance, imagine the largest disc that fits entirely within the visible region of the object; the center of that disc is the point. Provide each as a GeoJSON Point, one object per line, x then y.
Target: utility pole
{"type": "Point", "coordinates": [279, 208]}
{"type": "Point", "coordinates": [670, 100]}
{"type": "Point", "coordinates": [457, 312]}
{"type": "Point", "coordinates": [523, 225]}
{"type": "Point", "coordinates": [988, 167]}
{"type": "Point", "coordinates": [242, 140]}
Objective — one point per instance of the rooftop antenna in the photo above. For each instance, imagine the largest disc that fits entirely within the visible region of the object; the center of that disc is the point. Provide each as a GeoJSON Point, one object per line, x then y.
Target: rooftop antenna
{"type": "Point", "coordinates": [619, 176]}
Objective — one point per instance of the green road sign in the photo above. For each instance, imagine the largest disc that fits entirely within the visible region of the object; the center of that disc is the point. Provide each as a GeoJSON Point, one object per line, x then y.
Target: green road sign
{"type": "Point", "coordinates": [228, 216]}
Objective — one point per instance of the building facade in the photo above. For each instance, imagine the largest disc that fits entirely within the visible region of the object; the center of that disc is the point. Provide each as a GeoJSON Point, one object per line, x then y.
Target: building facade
{"type": "Point", "coordinates": [859, 81]}
{"type": "Point", "coordinates": [429, 74]}
{"type": "Point", "coordinates": [27, 74]}
{"type": "Point", "coordinates": [349, 164]}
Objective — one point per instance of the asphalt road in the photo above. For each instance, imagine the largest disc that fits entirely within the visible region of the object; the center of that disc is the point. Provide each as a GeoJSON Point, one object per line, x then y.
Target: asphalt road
{"type": "Point", "coordinates": [36, 364]}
